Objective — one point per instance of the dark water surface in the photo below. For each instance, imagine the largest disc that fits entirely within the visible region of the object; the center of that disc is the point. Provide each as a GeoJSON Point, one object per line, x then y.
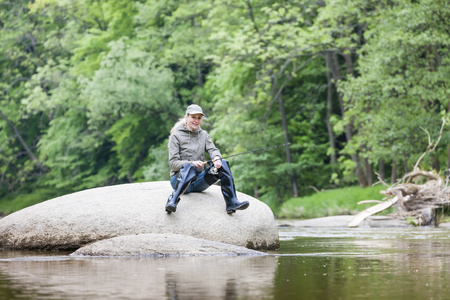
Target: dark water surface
{"type": "Point", "coordinates": [312, 263]}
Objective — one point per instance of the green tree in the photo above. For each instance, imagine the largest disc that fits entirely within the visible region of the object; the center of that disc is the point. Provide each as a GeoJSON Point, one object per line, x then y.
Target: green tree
{"type": "Point", "coordinates": [130, 99]}
{"type": "Point", "coordinates": [91, 88]}
{"type": "Point", "coordinates": [403, 85]}
{"type": "Point", "coordinates": [21, 54]}
{"type": "Point", "coordinates": [263, 89]}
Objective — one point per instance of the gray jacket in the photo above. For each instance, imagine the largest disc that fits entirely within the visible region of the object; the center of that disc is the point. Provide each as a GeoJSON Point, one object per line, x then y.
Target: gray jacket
{"type": "Point", "coordinates": [186, 146]}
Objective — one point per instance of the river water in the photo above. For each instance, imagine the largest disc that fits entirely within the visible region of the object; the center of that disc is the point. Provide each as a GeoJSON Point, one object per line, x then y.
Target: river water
{"type": "Point", "coordinates": [312, 263]}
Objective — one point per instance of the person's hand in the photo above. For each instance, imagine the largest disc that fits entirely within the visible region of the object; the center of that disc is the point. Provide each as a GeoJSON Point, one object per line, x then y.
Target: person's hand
{"type": "Point", "coordinates": [198, 163]}
{"type": "Point", "coordinates": [217, 162]}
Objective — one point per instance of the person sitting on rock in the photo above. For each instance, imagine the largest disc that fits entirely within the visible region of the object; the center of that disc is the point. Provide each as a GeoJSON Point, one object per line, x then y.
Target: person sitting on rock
{"type": "Point", "coordinates": [187, 146]}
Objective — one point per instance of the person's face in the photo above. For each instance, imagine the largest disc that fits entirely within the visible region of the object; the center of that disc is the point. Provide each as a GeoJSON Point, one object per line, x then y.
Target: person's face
{"type": "Point", "coordinates": [194, 121]}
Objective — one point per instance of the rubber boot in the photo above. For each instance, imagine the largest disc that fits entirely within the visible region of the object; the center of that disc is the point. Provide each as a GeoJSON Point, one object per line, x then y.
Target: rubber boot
{"type": "Point", "coordinates": [228, 189]}
{"type": "Point", "coordinates": [187, 174]}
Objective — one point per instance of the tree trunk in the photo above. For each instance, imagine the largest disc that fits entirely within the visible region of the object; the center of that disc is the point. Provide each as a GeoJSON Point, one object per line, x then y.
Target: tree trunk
{"type": "Point", "coordinates": [436, 164]}
{"type": "Point", "coordinates": [348, 63]}
{"type": "Point", "coordinates": [250, 12]}
{"type": "Point", "coordinates": [369, 171]}
{"type": "Point", "coordinates": [368, 167]}
{"type": "Point", "coordinates": [286, 141]}
{"type": "Point", "coordinates": [337, 76]}
{"type": "Point", "coordinates": [278, 95]}
{"type": "Point", "coordinates": [331, 137]}
{"type": "Point", "coordinates": [448, 157]}
{"type": "Point", "coordinates": [394, 171]}
{"type": "Point", "coordinates": [348, 127]}
{"type": "Point", "coordinates": [405, 164]}
{"type": "Point", "coordinates": [381, 170]}
{"type": "Point", "coordinates": [448, 148]}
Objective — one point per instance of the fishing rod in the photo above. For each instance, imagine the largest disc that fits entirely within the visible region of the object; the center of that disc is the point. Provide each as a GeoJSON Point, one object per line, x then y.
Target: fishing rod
{"type": "Point", "coordinates": [247, 152]}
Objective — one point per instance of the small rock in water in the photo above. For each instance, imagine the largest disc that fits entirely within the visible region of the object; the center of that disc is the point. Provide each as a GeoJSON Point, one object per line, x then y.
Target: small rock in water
{"type": "Point", "coordinates": [161, 245]}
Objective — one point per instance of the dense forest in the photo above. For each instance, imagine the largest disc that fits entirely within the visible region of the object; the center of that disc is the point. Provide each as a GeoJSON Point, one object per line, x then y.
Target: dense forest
{"type": "Point", "coordinates": [91, 88]}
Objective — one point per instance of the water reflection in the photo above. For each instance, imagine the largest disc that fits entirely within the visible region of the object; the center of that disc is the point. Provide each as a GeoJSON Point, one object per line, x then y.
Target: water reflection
{"type": "Point", "coordinates": [61, 277]}
{"type": "Point", "coordinates": [312, 263]}
{"type": "Point", "coordinates": [365, 264]}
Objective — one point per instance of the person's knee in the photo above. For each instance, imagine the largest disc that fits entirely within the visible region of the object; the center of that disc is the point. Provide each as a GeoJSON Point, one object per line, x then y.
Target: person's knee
{"type": "Point", "coordinates": [187, 168]}
{"type": "Point", "coordinates": [188, 172]}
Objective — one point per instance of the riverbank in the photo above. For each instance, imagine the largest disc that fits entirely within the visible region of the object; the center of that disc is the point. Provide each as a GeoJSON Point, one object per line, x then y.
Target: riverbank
{"type": "Point", "coordinates": [342, 221]}
{"type": "Point", "coordinates": [335, 202]}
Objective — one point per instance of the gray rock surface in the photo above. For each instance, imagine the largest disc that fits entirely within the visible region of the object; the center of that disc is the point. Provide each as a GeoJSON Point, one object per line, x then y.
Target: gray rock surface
{"type": "Point", "coordinates": [74, 220]}
{"type": "Point", "coordinates": [161, 245]}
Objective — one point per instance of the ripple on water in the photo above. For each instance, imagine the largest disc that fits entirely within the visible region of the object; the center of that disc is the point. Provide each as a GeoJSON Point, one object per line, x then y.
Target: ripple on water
{"type": "Point", "coordinates": [423, 233]}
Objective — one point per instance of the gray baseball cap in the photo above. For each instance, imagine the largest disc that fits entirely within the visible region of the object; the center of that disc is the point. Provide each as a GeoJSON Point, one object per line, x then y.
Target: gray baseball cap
{"type": "Point", "coordinates": [194, 109]}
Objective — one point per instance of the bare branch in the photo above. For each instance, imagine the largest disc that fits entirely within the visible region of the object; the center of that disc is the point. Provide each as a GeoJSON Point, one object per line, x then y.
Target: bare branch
{"type": "Point", "coordinates": [19, 136]}
{"type": "Point", "coordinates": [14, 82]}
{"type": "Point", "coordinates": [252, 17]}
{"type": "Point", "coordinates": [431, 146]}
{"type": "Point", "coordinates": [357, 219]}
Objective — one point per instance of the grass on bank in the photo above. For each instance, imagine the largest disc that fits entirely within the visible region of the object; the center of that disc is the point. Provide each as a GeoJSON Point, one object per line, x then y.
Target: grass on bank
{"type": "Point", "coordinates": [330, 203]}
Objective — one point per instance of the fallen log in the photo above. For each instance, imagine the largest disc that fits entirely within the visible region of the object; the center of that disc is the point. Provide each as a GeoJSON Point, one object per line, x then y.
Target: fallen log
{"type": "Point", "coordinates": [417, 195]}
{"type": "Point", "coordinates": [361, 216]}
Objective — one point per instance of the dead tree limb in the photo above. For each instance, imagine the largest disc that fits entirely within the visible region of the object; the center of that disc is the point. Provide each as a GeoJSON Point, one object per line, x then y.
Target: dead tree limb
{"type": "Point", "coordinates": [22, 141]}
{"type": "Point", "coordinates": [412, 197]}
{"type": "Point", "coordinates": [431, 146]}
{"type": "Point", "coordinates": [361, 216]}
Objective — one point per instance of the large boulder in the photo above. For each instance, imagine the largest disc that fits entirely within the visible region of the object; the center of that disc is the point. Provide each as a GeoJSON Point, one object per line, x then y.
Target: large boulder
{"type": "Point", "coordinates": [168, 244]}
{"type": "Point", "coordinates": [71, 221]}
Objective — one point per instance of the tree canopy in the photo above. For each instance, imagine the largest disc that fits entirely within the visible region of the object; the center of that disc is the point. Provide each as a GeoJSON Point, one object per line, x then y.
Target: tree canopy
{"type": "Point", "coordinates": [90, 90]}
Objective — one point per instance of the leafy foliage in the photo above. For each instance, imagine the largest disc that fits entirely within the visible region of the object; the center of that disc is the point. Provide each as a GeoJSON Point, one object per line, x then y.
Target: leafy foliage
{"type": "Point", "coordinates": [404, 70]}
{"type": "Point", "coordinates": [90, 90]}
